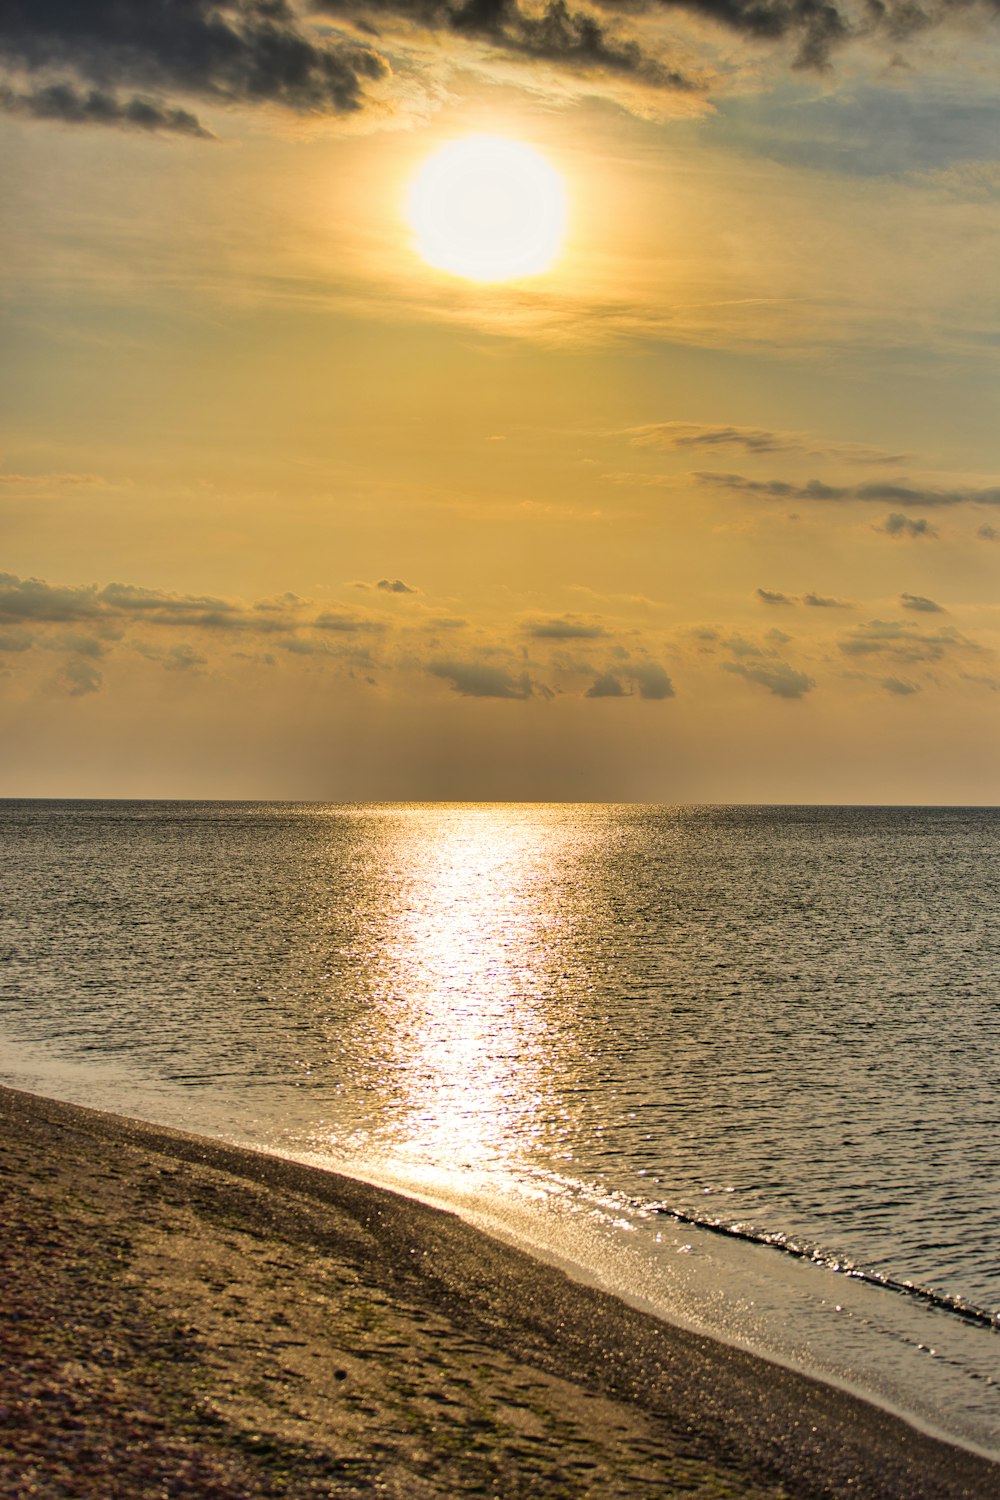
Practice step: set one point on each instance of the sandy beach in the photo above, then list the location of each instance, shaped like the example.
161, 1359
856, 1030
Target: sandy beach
186, 1318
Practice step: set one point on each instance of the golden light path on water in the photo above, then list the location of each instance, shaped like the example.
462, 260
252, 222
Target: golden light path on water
475, 1005
552, 1019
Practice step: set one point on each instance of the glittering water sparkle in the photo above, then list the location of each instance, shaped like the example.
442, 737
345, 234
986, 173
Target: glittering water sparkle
591, 1028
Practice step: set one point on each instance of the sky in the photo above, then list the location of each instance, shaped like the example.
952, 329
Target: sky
707, 510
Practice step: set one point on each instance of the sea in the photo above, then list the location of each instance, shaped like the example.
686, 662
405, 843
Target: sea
739, 1065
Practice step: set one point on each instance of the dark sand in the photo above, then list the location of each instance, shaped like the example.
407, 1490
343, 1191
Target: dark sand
186, 1319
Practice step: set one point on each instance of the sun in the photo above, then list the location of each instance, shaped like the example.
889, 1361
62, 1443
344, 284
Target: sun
488, 209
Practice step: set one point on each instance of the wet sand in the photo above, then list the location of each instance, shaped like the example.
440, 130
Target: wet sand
187, 1319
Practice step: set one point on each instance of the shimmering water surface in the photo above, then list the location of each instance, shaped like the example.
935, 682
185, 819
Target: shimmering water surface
590, 1029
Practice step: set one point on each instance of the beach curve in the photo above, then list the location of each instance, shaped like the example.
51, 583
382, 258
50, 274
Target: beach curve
191, 1318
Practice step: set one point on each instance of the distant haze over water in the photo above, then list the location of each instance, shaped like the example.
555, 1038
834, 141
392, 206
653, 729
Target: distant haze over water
778, 1022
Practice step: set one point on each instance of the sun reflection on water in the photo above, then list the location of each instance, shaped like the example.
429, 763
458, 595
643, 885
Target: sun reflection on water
475, 998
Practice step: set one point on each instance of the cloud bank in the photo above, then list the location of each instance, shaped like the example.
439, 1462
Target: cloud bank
135, 64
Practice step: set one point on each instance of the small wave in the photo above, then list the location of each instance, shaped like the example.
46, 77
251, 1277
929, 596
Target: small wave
832, 1262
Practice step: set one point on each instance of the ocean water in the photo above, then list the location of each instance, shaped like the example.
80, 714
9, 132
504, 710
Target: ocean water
740, 1065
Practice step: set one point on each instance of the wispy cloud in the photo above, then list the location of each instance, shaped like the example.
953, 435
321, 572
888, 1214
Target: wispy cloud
777, 677
754, 441
897, 525
921, 604
878, 493
476, 679
564, 628
904, 641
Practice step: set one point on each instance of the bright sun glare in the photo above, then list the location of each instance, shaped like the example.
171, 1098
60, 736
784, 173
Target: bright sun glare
488, 209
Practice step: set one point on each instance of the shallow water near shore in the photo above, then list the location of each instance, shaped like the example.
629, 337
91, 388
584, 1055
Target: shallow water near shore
667, 1047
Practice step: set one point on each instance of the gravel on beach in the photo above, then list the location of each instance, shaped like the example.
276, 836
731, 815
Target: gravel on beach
187, 1319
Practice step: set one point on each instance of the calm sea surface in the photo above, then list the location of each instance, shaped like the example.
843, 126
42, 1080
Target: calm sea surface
606, 1032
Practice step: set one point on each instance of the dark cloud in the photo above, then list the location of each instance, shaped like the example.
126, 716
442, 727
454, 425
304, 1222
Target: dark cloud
769, 596
481, 680
902, 641
824, 601
78, 678
81, 645
607, 685
243, 51
396, 586
920, 604
778, 677
577, 40
565, 628
182, 658
900, 688
739, 647
988, 533
878, 493
346, 624
694, 435
896, 524
16, 640
652, 681
73, 106
128, 598
124, 62
121, 604
31, 599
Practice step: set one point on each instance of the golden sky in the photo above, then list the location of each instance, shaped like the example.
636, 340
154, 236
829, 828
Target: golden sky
706, 510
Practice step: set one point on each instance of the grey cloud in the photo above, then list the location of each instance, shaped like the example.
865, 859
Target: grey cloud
118, 605
31, 599
127, 597
751, 440
281, 605
73, 106
607, 685
769, 596
920, 604
902, 641
566, 628
78, 678
182, 658
16, 640
779, 636
900, 688
652, 681
577, 40
824, 601
82, 645
347, 624
246, 51
694, 435
739, 647
778, 677
115, 61
480, 680
988, 533
897, 525
878, 493
396, 586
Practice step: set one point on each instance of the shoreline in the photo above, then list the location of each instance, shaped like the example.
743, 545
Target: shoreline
325, 1336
